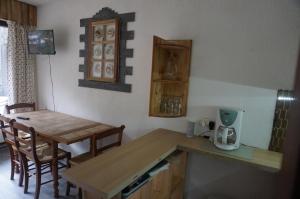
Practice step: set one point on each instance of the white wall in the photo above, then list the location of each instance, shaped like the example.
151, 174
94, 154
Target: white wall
258, 104
227, 179
224, 49
242, 52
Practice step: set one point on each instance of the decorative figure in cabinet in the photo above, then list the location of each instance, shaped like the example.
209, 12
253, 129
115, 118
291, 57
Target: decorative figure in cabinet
171, 68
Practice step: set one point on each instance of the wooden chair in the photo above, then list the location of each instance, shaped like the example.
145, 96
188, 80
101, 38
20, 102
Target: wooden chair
95, 150
39, 154
20, 106
15, 163
8, 136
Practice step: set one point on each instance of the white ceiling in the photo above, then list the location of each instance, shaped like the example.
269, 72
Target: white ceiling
36, 2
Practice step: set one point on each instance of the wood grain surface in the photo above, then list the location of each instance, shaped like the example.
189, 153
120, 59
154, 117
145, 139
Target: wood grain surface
60, 127
17, 11
108, 174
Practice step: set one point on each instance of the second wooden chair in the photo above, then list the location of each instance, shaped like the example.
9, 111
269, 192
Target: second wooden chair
97, 150
29, 106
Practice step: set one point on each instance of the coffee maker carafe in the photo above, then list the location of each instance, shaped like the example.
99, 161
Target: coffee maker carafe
228, 128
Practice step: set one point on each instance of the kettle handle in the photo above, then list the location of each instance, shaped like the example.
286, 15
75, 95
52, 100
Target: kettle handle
224, 136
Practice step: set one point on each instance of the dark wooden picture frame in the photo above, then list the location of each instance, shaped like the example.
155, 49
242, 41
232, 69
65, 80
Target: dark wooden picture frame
108, 67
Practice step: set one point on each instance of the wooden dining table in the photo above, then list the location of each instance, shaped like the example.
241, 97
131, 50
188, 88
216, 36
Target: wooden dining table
59, 128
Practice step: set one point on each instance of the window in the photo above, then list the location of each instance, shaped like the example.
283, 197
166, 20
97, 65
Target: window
3, 66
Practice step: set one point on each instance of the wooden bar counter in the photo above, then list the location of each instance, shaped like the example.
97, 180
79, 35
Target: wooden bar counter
105, 176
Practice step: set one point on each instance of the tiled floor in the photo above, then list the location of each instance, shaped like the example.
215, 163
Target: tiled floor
9, 189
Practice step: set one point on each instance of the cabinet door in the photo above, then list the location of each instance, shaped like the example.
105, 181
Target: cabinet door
171, 59
167, 184
160, 186
157, 188
142, 193
178, 192
177, 174
87, 195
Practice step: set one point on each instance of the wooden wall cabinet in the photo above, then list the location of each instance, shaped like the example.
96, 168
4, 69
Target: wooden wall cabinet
168, 184
170, 77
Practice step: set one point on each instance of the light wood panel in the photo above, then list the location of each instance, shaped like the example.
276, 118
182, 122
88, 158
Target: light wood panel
160, 185
19, 12
177, 174
156, 188
143, 193
87, 195
168, 183
108, 174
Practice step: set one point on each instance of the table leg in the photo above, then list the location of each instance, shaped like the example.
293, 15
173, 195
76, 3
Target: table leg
55, 169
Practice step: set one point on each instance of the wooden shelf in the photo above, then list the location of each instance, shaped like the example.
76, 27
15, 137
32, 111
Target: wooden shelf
169, 81
165, 115
169, 46
170, 77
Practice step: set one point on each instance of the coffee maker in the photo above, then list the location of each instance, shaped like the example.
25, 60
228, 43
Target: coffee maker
228, 128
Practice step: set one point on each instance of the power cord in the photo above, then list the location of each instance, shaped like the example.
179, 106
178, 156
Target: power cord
52, 87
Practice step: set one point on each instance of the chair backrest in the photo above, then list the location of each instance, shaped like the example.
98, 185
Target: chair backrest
25, 146
20, 105
115, 131
7, 134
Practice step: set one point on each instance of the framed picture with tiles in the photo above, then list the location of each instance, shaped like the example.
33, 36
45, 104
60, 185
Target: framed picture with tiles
103, 50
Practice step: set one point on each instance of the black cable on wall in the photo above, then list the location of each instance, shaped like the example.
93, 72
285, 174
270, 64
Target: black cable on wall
52, 87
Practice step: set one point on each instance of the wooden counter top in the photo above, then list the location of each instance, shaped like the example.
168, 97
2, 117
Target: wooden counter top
107, 174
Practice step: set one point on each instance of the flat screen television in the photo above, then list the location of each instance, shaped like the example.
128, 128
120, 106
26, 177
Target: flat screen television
41, 42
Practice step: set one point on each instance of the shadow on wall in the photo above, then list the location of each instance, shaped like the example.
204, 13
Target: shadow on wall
212, 178
126, 138
199, 112
61, 37
258, 103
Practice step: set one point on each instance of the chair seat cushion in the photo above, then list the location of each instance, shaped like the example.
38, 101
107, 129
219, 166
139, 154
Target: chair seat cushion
44, 152
39, 143
21, 134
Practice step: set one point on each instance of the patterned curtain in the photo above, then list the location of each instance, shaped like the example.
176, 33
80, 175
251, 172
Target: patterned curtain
280, 123
21, 65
